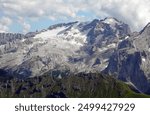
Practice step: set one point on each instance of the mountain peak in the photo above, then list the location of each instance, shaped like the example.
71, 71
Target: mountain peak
148, 25
62, 24
146, 29
111, 20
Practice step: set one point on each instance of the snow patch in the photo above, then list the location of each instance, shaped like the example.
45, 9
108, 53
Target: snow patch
126, 37
2, 46
49, 33
120, 41
105, 60
102, 29
110, 21
23, 40
143, 59
74, 36
113, 45
103, 49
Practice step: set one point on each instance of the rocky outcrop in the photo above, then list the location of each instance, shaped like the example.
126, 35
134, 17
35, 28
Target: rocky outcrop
9, 37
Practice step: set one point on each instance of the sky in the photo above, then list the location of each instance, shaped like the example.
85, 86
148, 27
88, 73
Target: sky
22, 16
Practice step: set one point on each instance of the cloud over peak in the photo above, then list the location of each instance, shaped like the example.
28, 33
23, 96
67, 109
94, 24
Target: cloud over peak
134, 12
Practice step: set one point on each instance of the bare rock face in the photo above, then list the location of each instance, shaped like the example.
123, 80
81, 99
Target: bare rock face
127, 67
9, 37
130, 61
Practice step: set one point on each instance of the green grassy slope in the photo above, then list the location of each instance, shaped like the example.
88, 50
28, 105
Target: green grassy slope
74, 86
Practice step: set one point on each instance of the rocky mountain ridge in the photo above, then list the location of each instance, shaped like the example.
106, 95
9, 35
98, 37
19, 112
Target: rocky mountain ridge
106, 46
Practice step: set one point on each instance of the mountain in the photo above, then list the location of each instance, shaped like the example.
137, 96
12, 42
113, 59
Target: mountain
77, 46
106, 46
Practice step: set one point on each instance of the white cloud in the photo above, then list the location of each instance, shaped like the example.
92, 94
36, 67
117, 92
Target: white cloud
134, 12
36, 8
26, 26
4, 23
